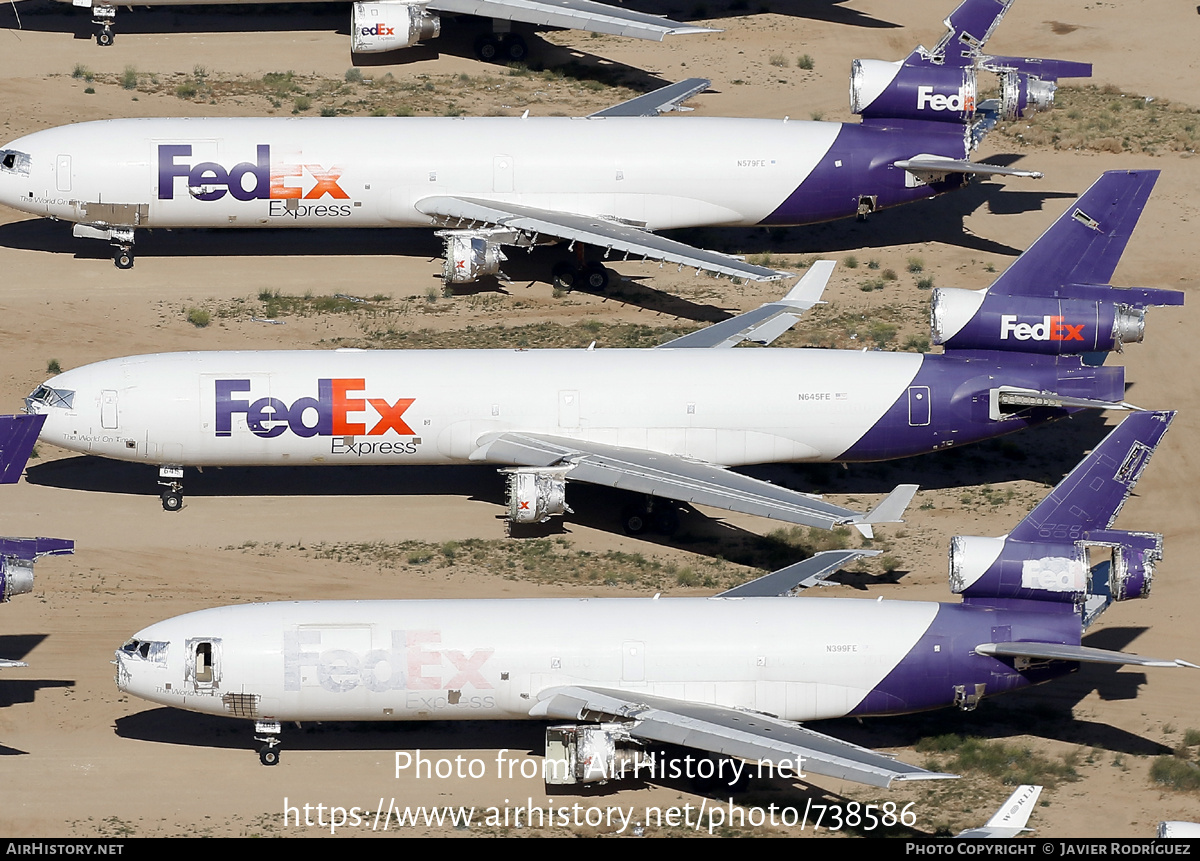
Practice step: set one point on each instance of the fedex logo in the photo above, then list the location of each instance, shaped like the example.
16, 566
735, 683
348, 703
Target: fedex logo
960, 101
378, 30
256, 180
333, 412
414, 661
1050, 329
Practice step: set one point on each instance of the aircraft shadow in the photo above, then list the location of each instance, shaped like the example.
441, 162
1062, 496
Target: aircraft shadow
14, 690
939, 219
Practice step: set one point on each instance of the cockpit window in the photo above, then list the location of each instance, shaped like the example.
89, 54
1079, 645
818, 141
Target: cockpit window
12, 161
45, 396
147, 650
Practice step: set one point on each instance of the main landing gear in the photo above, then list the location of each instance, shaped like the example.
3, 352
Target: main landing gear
651, 514
268, 754
592, 276
501, 48
170, 478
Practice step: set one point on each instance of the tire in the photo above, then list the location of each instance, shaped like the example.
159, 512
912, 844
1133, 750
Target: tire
487, 48
635, 520
564, 276
104, 38
172, 501
269, 756
514, 48
595, 277
123, 259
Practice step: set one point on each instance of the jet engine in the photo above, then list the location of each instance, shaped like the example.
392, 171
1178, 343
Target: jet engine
471, 254
883, 90
1081, 318
593, 753
535, 494
16, 577
386, 25
1054, 570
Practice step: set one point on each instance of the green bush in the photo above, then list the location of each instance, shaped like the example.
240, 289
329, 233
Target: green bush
805, 62
198, 317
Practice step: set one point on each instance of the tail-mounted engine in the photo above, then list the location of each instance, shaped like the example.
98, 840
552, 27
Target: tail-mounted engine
386, 25
1082, 318
1057, 571
1028, 85
535, 494
471, 254
883, 90
17, 556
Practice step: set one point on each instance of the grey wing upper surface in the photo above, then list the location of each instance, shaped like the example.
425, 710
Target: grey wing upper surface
573, 15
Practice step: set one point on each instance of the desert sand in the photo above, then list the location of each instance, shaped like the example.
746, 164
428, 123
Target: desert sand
83, 760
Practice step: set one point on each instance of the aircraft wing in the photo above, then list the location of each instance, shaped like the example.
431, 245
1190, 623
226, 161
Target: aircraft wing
747, 735
573, 15
767, 322
801, 575
455, 212
1010, 819
668, 98
671, 477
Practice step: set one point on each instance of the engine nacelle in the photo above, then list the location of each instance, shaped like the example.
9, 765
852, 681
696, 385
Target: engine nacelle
1054, 571
883, 90
16, 577
979, 320
470, 254
593, 753
1022, 95
535, 494
376, 27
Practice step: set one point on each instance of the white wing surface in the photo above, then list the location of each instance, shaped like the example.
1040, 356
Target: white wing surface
746, 735
456, 212
573, 15
677, 478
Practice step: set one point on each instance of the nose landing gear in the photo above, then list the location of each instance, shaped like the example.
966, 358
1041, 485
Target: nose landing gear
170, 478
104, 16
268, 754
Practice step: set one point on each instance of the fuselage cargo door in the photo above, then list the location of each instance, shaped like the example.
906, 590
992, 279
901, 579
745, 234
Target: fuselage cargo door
918, 406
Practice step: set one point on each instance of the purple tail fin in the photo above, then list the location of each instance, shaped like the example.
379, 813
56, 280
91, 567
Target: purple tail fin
970, 25
17, 436
1046, 557
1091, 496
1085, 244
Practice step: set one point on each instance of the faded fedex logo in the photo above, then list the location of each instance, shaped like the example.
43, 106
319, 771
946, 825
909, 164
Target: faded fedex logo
257, 180
414, 661
1051, 328
338, 410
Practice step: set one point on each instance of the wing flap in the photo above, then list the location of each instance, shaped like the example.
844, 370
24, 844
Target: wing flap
591, 230
676, 478
573, 15
732, 732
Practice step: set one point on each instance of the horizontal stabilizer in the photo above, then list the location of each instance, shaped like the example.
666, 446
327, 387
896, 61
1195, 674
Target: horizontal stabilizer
6, 664
1026, 399
32, 548
746, 735
767, 322
1062, 652
801, 575
1043, 70
932, 168
458, 212
17, 437
586, 15
1084, 245
668, 98
1091, 496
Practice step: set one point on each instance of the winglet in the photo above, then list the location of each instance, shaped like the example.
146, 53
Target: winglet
890, 510
668, 98
17, 436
